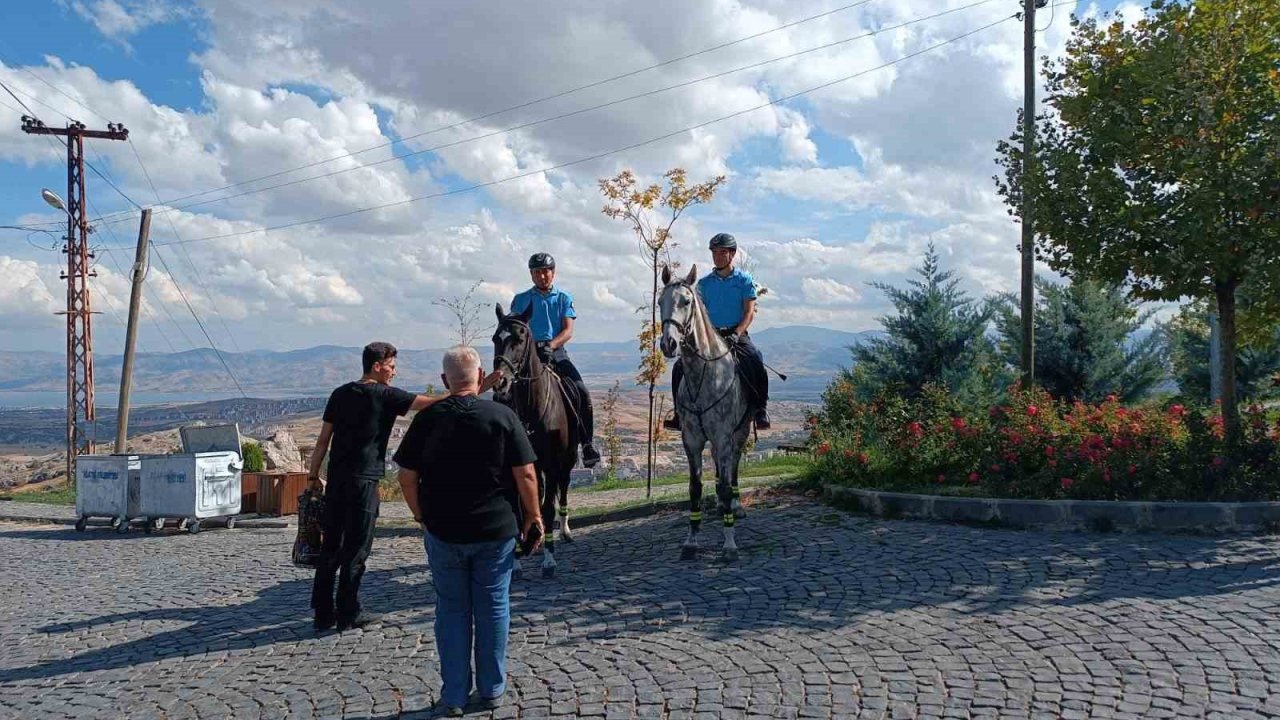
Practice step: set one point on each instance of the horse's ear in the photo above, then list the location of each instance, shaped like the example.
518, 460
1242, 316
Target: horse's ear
693, 275
497, 308
666, 274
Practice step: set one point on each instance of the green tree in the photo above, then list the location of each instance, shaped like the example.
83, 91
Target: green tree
938, 335
1086, 347
1157, 165
652, 212
1187, 335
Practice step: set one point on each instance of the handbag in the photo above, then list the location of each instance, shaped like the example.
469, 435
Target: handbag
306, 547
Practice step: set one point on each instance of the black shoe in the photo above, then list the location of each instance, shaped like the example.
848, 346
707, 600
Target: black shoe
762, 419
323, 622
360, 621
672, 423
590, 456
451, 711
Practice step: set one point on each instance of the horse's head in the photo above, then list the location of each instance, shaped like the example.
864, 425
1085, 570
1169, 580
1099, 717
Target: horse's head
677, 306
513, 350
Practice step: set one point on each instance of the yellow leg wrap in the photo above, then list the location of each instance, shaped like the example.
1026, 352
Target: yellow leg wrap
696, 516
729, 519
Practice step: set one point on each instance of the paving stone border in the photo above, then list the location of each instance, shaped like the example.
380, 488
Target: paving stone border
1210, 518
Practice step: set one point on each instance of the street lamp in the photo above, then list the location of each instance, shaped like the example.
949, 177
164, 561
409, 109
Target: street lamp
54, 201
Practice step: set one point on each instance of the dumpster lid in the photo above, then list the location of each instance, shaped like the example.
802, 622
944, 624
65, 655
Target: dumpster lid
210, 438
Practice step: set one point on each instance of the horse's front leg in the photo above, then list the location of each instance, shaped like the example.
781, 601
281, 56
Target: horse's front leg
550, 482
693, 451
565, 534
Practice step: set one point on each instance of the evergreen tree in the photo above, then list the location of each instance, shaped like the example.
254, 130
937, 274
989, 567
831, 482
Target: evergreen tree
1188, 337
938, 335
1084, 341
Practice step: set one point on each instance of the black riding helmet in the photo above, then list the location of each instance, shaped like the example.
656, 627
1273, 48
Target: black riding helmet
541, 261
723, 240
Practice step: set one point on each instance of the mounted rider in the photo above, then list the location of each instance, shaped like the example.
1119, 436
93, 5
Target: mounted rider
552, 327
729, 294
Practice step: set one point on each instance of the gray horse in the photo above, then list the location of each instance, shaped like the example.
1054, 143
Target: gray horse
713, 404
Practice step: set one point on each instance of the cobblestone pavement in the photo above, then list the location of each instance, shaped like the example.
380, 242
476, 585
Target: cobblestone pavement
825, 615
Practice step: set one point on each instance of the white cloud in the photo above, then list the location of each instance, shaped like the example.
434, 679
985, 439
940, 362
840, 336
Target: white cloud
825, 291
121, 19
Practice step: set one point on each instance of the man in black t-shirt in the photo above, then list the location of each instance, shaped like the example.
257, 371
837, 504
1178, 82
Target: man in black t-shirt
357, 423
463, 465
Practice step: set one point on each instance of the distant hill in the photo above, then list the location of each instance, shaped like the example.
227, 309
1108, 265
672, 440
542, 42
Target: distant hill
809, 355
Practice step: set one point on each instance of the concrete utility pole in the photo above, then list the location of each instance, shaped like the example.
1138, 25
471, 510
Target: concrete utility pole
131, 333
1028, 153
80, 407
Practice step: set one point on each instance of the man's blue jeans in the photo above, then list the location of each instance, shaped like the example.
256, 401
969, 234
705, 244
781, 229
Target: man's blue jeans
473, 584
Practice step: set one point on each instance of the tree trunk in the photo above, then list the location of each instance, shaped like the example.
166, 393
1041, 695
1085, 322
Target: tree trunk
652, 433
1226, 295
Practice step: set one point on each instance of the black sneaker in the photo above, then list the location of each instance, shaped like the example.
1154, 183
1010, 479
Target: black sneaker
590, 456
762, 419
323, 622
672, 423
361, 621
451, 711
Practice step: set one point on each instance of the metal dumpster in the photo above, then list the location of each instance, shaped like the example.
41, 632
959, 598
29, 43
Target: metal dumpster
201, 483
108, 486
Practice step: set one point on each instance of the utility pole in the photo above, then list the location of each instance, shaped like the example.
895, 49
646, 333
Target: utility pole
80, 404
1028, 155
131, 332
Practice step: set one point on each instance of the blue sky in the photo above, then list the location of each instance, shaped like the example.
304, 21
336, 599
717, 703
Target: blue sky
828, 193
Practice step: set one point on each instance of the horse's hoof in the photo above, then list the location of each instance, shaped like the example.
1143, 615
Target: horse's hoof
566, 537
688, 553
548, 573
730, 555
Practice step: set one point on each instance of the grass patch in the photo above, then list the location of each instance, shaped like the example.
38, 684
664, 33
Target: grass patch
781, 465
60, 495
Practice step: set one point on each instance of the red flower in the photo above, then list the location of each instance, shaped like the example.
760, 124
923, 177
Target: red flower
1067, 482
973, 477
1048, 450
1111, 398
996, 468
862, 458
942, 478
957, 423
1133, 469
824, 448
1032, 410
914, 428
1217, 462
848, 453
1177, 411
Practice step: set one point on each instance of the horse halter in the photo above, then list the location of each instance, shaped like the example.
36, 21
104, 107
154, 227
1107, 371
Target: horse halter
502, 360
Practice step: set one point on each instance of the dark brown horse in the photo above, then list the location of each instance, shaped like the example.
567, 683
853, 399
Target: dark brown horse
535, 392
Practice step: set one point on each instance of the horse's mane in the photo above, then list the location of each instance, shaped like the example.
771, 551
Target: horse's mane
704, 333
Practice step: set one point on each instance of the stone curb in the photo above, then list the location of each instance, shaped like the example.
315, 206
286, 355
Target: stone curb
248, 522
397, 527
1210, 518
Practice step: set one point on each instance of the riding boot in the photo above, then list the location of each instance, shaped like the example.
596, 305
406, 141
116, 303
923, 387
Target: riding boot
590, 455
762, 419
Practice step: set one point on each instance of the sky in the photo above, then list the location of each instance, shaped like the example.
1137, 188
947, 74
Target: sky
325, 172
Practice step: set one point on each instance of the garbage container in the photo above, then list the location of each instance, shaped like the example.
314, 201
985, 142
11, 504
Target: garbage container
199, 484
107, 486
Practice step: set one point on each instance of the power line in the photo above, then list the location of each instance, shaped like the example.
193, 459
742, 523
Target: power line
511, 108
597, 156
571, 113
88, 164
190, 263
172, 277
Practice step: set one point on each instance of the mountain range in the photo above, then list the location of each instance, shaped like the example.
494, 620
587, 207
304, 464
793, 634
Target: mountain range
810, 356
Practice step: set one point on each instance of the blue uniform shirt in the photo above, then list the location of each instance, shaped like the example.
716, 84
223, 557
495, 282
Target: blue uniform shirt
549, 310
725, 296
